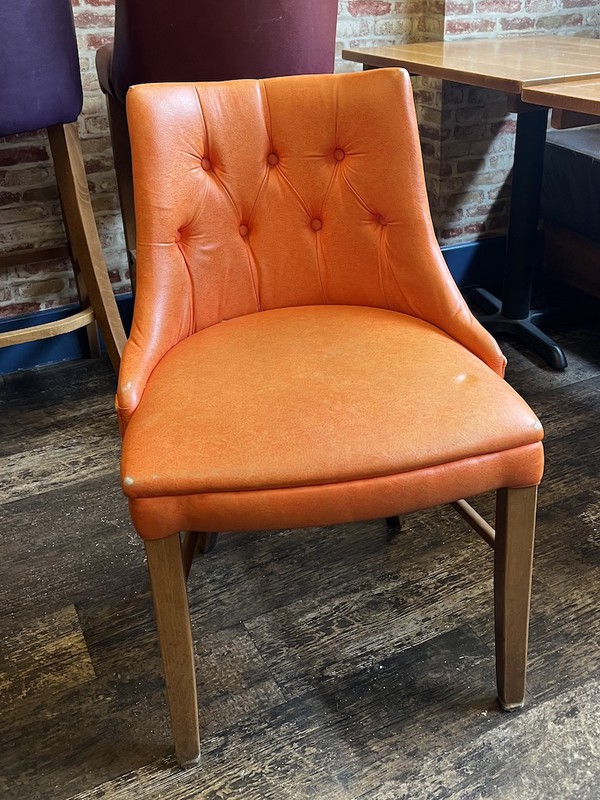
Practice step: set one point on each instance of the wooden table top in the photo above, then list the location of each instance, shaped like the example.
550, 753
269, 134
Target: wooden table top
508, 65
580, 96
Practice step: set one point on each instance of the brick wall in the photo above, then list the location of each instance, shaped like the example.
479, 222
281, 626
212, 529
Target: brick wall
477, 133
466, 134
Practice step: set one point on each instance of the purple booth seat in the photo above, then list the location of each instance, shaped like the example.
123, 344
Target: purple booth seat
206, 40
39, 65
40, 87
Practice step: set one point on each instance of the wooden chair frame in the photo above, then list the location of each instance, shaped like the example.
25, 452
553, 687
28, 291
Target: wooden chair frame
98, 305
513, 541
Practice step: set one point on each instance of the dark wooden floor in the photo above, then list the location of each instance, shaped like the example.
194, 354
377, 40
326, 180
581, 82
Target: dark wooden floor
346, 663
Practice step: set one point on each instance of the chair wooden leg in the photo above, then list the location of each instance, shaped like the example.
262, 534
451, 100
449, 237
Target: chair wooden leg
513, 563
189, 543
83, 235
207, 542
195, 541
393, 522
175, 638
119, 134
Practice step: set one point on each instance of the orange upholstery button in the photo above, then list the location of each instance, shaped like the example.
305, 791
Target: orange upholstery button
273, 159
205, 163
316, 224
382, 221
339, 154
243, 230
178, 236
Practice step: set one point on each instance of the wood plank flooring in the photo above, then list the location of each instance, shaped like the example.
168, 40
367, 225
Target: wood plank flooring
347, 663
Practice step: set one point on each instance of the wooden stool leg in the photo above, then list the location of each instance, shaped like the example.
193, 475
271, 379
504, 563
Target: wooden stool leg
175, 638
119, 134
85, 302
83, 235
513, 563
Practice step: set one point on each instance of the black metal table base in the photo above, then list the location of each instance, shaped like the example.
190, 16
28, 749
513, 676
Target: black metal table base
523, 329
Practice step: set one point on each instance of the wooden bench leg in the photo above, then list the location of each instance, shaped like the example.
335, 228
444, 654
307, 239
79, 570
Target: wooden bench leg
176, 647
513, 563
83, 236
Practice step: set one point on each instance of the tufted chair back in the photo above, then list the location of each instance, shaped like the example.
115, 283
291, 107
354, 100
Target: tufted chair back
293, 191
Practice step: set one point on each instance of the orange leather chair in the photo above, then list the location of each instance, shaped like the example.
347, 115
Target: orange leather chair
300, 354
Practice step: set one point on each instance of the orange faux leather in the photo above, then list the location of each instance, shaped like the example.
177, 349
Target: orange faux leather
300, 354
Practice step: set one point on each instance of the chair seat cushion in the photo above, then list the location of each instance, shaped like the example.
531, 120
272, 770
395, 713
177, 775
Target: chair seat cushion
320, 396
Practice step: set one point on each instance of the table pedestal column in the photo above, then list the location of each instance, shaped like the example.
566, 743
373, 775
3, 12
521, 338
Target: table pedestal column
513, 314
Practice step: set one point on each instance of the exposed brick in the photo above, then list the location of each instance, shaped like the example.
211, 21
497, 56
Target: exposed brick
470, 132
480, 210
17, 309
353, 27
8, 198
456, 149
469, 114
392, 27
468, 165
377, 8
105, 202
470, 26
496, 109
452, 233
424, 97
94, 41
464, 198
455, 8
38, 268
12, 156
541, 6
454, 185
485, 179
498, 192
501, 161
92, 19
504, 126
27, 177
498, 6
41, 194
430, 25
517, 23
42, 288
428, 150
22, 213
559, 21
407, 8
93, 165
